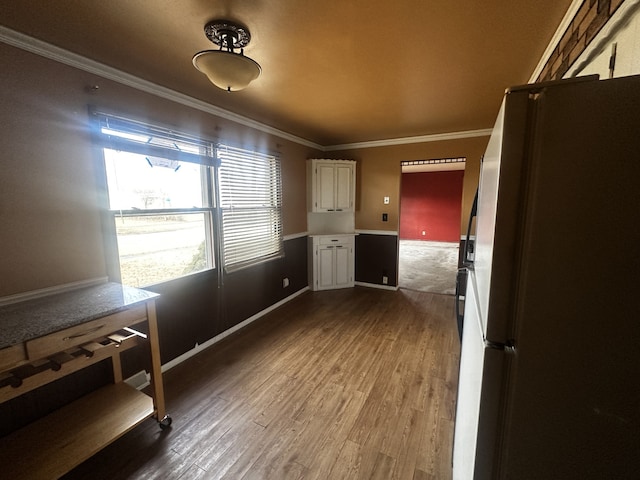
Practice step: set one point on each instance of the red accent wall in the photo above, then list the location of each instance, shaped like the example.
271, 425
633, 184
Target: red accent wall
431, 203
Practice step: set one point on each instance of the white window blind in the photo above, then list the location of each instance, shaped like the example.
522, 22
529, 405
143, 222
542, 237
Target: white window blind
250, 191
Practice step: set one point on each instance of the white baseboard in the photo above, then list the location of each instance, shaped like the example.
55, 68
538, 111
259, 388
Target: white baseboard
199, 347
376, 285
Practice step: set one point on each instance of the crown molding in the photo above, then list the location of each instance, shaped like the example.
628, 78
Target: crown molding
60, 55
407, 140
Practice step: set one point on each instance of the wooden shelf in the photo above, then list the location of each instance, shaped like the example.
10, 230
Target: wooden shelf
53, 445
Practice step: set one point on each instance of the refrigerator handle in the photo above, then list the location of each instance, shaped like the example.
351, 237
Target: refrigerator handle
461, 283
468, 246
507, 347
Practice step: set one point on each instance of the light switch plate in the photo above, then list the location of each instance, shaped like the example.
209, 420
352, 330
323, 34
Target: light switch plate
386, 200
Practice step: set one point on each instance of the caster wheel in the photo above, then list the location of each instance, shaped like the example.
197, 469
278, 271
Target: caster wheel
165, 422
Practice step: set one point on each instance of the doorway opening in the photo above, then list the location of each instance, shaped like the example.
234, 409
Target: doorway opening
429, 234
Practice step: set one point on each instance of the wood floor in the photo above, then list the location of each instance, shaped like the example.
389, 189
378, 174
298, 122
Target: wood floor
347, 384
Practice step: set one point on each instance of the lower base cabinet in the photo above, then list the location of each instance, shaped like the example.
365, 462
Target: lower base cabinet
331, 261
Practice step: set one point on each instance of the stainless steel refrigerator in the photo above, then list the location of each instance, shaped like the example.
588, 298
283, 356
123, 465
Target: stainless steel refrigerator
549, 384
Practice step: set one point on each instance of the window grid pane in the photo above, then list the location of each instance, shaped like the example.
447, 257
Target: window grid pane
141, 182
124, 134
157, 248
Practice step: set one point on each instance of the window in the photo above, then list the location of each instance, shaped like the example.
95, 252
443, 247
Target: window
163, 204
159, 193
251, 204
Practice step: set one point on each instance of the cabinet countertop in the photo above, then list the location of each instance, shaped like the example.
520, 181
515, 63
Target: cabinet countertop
23, 321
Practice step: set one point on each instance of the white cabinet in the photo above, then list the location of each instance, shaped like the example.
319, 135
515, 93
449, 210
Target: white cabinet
332, 185
331, 261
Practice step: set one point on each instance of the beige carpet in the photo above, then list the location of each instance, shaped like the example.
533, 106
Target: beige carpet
428, 266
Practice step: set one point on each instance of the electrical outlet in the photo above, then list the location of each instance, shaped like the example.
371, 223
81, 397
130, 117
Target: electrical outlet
385, 217
285, 282
385, 280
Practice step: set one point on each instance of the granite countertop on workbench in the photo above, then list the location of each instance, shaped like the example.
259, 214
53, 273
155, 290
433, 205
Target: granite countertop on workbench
31, 319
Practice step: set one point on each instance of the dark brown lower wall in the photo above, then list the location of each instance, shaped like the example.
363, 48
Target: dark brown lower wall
377, 257
194, 309
251, 290
187, 313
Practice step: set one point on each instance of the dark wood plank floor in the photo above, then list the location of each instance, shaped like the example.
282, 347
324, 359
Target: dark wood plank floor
347, 384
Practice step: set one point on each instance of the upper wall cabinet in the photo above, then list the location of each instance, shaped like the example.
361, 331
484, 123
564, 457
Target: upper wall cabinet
332, 185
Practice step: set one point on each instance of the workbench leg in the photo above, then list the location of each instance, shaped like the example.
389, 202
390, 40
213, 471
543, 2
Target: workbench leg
156, 367
117, 367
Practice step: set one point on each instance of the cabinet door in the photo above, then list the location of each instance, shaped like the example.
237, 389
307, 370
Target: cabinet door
326, 264
325, 187
343, 186
341, 267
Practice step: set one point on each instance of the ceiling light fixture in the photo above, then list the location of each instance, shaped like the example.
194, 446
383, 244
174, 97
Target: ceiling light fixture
225, 68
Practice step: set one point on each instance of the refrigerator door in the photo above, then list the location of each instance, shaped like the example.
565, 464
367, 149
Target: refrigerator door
573, 395
469, 387
481, 376
482, 369
498, 216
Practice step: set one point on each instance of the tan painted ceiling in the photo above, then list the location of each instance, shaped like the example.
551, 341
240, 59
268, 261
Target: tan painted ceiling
334, 71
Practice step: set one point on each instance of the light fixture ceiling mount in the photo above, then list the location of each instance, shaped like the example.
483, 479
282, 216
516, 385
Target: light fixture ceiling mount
223, 32
225, 68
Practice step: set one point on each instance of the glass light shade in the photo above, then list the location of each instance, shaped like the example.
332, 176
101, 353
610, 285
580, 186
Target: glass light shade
226, 70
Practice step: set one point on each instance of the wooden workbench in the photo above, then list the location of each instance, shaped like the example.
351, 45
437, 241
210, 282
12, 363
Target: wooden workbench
48, 338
